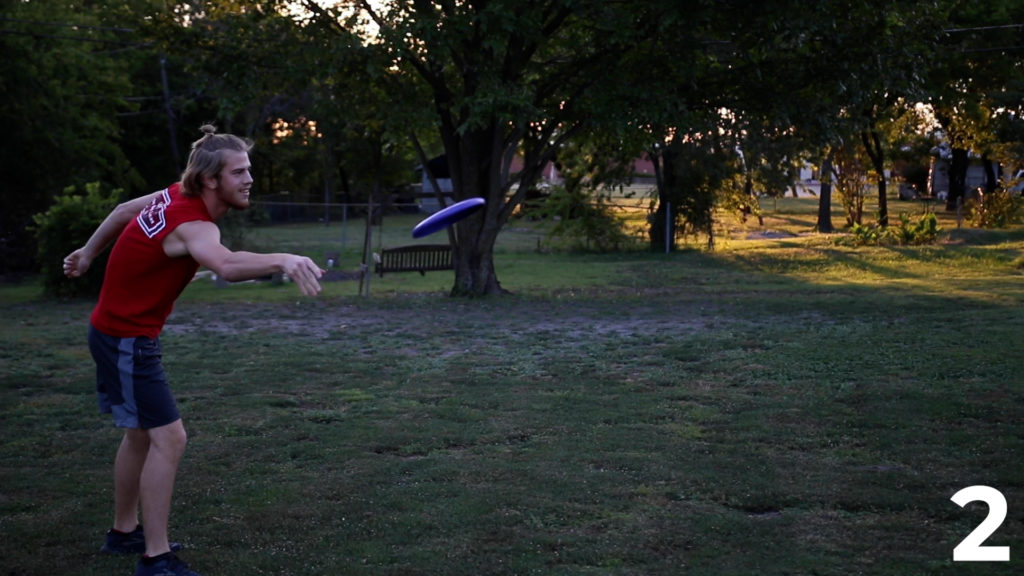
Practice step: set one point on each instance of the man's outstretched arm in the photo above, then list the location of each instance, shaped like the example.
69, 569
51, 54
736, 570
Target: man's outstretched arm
201, 240
77, 263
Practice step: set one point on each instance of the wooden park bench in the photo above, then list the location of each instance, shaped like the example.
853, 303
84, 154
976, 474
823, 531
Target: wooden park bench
414, 258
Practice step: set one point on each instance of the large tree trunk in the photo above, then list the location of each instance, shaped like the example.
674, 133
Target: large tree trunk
478, 162
825, 197
475, 162
991, 178
957, 178
476, 159
873, 145
662, 220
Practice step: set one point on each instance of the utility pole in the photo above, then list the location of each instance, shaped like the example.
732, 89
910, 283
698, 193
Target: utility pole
170, 113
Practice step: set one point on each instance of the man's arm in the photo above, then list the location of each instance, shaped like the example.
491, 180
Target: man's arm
77, 263
201, 240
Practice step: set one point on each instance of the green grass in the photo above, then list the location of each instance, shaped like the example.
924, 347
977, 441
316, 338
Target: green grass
775, 407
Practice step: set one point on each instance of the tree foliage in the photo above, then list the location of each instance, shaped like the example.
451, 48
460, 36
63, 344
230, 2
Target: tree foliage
344, 98
504, 78
67, 225
977, 88
65, 78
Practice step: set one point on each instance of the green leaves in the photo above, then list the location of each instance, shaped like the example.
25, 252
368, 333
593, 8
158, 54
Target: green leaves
65, 76
66, 226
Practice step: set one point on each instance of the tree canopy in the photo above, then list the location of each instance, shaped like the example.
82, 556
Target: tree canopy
345, 98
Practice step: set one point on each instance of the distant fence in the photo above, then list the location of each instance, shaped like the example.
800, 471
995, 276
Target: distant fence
286, 212
273, 212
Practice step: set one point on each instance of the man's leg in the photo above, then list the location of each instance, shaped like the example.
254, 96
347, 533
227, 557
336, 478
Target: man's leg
166, 446
127, 471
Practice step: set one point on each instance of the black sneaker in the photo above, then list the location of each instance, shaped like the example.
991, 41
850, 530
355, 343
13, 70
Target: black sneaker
133, 542
163, 565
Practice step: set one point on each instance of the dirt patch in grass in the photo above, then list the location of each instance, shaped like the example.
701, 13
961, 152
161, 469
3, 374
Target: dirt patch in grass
514, 319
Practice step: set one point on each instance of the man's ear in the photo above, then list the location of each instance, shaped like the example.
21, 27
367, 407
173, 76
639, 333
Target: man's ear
210, 182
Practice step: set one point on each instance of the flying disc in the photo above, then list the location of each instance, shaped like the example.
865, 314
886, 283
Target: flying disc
446, 217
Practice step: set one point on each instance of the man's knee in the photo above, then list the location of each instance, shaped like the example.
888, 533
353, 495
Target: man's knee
170, 439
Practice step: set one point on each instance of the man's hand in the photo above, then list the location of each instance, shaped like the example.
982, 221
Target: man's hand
304, 272
77, 263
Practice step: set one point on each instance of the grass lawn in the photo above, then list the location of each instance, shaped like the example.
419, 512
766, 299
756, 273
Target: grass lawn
782, 405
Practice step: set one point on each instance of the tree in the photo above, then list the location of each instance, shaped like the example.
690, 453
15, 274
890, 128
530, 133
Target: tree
506, 77
696, 168
65, 79
317, 100
975, 87
236, 63
830, 71
894, 63
850, 177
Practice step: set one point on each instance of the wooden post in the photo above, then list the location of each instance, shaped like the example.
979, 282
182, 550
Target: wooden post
364, 271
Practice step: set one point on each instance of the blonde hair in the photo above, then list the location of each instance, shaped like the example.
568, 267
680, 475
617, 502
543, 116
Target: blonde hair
207, 157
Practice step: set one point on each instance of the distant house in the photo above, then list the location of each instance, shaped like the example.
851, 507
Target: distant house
643, 174
938, 173
442, 175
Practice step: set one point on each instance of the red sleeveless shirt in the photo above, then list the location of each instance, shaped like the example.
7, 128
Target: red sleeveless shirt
142, 282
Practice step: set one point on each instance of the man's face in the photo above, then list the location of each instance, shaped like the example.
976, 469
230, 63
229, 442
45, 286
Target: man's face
234, 181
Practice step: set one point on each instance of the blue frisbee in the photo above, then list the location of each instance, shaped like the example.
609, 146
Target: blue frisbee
447, 217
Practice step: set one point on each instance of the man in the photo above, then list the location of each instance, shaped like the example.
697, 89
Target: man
162, 239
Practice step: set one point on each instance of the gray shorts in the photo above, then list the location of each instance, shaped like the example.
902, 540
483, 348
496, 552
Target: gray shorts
130, 381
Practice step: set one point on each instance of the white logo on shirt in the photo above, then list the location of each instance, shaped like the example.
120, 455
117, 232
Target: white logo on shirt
152, 219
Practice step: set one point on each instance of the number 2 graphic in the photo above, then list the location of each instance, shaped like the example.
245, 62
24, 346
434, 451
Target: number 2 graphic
970, 549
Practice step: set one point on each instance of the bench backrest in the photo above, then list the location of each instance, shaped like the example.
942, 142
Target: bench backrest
415, 258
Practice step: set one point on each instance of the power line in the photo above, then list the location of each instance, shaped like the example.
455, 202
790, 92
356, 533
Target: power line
66, 25
66, 37
983, 29
85, 28
980, 28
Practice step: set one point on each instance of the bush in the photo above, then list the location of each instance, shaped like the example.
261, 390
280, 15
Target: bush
585, 223
997, 209
65, 227
924, 231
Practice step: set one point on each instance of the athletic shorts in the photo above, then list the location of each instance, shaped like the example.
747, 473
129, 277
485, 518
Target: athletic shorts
130, 381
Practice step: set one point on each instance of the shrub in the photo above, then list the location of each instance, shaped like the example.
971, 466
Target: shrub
584, 223
66, 226
997, 209
924, 231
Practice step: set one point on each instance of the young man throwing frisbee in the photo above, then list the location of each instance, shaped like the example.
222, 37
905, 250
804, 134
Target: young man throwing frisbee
162, 239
